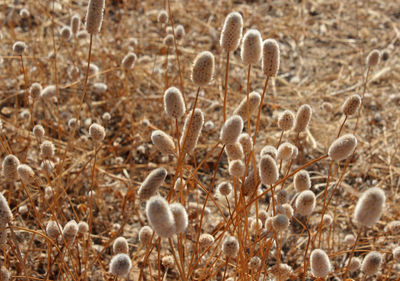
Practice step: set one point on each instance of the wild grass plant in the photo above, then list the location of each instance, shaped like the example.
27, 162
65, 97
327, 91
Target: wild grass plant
199, 140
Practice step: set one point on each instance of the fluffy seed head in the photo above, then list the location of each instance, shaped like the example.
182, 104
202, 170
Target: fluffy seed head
231, 32
203, 69
236, 168
285, 151
269, 150
69, 231
24, 13
327, 220
370, 206
168, 261
371, 263
38, 131
303, 118
205, 240
75, 24
285, 209
355, 264
129, 61
234, 151
66, 33
53, 229
286, 120
373, 58
284, 271
120, 246
255, 262
35, 90
268, 170
251, 47
169, 40
49, 92
174, 104
97, 132
249, 187
393, 227
302, 181
254, 102
120, 265
193, 133
47, 149
180, 217
230, 247
281, 197
145, 234
320, 264
163, 142
162, 16
351, 105
151, 184
94, 16
396, 253
5, 212
25, 173
263, 215
224, 188
5, 274
19, 47
271, 57
246, 142
280, 222
160, 217
305, 203
231, 130
342, 147
9, 168
179, 32
83, 227
349, 239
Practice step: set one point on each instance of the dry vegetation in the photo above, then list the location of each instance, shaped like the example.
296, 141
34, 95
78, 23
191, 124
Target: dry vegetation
94, 181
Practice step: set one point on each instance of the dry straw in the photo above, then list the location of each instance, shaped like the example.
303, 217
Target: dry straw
370, 206
160, 217
94, 16
251, 47
193, 133
231, 32
231, 130
163, 142
320, 264
150, 185
254, 102
270, 57
203, 69
174, 104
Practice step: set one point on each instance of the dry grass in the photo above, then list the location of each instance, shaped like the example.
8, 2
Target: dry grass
323, 49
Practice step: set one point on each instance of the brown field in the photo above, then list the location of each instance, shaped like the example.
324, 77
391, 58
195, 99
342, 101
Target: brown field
93, 185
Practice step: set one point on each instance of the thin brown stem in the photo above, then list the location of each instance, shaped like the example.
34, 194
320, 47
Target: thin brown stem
226, 83
259, 109
352, 253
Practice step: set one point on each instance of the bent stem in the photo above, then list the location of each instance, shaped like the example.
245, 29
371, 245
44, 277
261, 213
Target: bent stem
352, 253
259, 109
226, 83
247, 100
